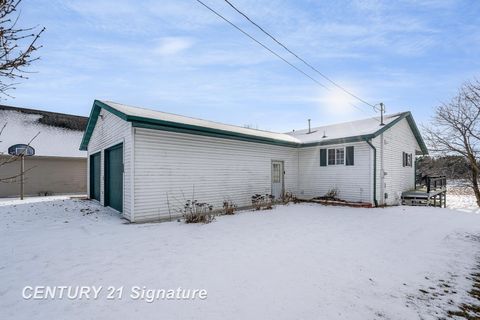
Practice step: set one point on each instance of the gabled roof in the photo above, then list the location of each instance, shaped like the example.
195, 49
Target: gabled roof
344, 132
59, 135
359, 130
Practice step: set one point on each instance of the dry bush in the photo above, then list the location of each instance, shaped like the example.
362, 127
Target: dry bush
289, 197
197, 212
332, 194
262, 201
229, 207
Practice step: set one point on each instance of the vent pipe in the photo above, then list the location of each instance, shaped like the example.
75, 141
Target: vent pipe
309, 128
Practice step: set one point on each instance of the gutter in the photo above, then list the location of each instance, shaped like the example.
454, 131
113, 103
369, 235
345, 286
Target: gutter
374, 171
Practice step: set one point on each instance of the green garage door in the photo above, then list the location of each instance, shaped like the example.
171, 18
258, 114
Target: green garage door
114, 177
95, 176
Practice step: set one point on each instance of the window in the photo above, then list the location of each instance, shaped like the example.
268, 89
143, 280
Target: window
334, 156
276, 172
407, 159
340, 159
349, 156
331, 157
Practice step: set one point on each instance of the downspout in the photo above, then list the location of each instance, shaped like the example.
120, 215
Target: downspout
374, 172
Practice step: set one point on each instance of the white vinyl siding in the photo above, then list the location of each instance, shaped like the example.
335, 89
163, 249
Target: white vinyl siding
397, 178
109, 131
352, 182
208, 169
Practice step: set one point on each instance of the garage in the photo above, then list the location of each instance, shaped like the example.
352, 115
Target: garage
114, 177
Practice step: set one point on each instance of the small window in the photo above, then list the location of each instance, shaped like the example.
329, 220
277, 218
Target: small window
331, 157
349, 156
340, 159
407, 159
276, 173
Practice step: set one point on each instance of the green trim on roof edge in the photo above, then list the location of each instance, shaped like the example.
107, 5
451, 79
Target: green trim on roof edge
404, 115
213, 133
92, 121
338, 141
141, 122
413, 126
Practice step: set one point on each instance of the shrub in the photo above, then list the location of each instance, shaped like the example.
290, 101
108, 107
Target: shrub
198, 212
229, 207
262, 202
289, 197
331, 194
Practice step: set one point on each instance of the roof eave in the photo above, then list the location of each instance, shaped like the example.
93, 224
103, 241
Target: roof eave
172, 126
351, 139
186, 128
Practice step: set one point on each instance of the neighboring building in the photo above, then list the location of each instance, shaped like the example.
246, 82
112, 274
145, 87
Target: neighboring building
57, 167
147, 163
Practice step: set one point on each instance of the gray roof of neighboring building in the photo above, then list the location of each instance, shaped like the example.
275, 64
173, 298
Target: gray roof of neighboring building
59, 134
54, 119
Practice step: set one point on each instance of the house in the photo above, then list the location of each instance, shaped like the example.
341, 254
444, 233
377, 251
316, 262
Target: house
146, 163
57, 167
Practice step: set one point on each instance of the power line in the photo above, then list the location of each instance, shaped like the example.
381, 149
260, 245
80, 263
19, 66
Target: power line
263, 45
298, 57
270, 50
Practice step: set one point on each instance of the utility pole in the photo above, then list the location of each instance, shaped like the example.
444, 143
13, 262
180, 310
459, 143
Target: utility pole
22, 167
382, 111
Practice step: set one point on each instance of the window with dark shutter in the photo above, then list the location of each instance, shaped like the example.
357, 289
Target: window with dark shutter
323, 157
350, 156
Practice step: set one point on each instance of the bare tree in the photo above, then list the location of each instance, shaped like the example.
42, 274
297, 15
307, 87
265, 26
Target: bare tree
17, 46
455, 129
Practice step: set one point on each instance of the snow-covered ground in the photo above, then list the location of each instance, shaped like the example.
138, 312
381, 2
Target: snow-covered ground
303, 261
460, 196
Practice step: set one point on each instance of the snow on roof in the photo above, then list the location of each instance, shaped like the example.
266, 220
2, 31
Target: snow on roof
53, 140
331, 134
322, 134
164, 116
342, 130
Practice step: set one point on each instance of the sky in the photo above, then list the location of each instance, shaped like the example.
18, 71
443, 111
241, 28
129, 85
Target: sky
176, 56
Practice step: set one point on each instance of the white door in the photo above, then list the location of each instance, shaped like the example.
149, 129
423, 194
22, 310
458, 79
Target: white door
277, 179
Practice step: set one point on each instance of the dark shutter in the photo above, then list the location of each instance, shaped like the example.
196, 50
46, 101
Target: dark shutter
323, 157
350, 157
403, 158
